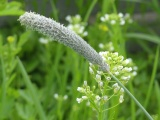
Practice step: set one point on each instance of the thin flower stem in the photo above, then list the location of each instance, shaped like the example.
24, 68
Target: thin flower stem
111, 107
90, 10
100, 115
136, 101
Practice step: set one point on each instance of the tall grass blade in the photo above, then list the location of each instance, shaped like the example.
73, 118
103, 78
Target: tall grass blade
32, 91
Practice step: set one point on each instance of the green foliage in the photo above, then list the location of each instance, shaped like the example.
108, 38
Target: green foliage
29, 84
10, 8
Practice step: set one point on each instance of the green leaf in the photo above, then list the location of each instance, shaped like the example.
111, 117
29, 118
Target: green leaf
142, 36
12, 8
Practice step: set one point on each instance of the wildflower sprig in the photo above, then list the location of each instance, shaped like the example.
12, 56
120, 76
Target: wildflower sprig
107, 88
60, 97
107, 46
76, 24
119, 18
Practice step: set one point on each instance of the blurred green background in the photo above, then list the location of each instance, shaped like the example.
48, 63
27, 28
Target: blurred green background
53, 69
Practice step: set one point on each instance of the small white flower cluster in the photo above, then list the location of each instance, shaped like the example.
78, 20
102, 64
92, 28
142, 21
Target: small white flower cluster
60, 97
119, 18
119, 90
76, 24
108, 46
90, 96
123, 69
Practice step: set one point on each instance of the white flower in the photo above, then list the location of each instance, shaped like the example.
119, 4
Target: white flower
79, 100
121, 90
134, 73
115, 69
104, 59
102, 19
106, 17
122, 22
120, 67
99, 72
129, 69
65, 97
121, 99
108, 78
91, 64
116, 73
85, 33
91, 70
98, 97
56, 96
116, 89
80, 89
120, 15
78, 16
115, 54
100, 84
85, 83
127, 61
70, 26
98, 77
80, 28
121, 58
105, 97
101, 45
43, 41
109, 58
113, 22
84, 97
68, 18
125, 77
115, 85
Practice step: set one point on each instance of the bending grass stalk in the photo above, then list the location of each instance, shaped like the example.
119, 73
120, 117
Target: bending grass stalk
32, 91
136, 101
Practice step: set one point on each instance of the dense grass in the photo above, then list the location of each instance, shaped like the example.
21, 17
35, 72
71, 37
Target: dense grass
32, 73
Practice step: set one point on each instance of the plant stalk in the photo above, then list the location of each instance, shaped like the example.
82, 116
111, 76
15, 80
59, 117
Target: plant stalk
135, 100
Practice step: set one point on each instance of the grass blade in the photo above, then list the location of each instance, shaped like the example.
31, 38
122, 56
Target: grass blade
151, 38
152, 77
32, 91
157, 89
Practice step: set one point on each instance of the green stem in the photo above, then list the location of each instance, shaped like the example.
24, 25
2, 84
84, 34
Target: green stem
133, 115
3, 90
55, 11
32, 91
154, 71
135, 100
100, 115
90, 10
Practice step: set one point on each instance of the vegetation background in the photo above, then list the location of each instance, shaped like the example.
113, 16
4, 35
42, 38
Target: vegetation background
53, 69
